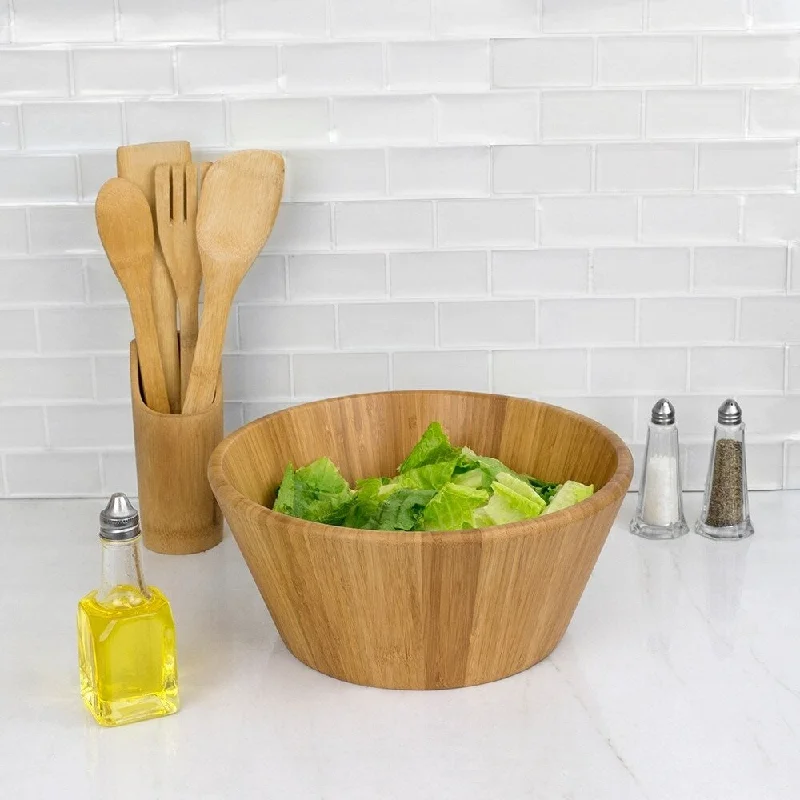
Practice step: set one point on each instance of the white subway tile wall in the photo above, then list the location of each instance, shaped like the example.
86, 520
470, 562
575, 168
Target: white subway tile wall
593, 204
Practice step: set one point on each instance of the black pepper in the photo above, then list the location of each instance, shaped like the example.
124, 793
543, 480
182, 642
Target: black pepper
725, 505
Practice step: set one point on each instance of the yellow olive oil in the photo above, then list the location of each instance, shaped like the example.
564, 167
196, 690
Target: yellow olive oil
127, 659
126, 634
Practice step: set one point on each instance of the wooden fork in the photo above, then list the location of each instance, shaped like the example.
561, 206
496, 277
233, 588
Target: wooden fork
176, 190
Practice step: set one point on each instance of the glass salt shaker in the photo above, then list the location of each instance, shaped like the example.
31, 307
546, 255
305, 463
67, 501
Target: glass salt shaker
726, 510
659, 512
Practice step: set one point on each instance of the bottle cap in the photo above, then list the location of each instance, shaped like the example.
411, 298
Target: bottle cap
119, 520
730, 413
663, 413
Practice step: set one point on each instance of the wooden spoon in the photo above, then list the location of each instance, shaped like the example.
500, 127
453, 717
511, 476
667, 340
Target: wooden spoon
176, 213
240, 200
125, 225
137, 163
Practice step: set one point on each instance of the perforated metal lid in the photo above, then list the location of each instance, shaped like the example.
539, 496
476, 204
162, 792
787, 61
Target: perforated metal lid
663, 413
730, 413
119, 520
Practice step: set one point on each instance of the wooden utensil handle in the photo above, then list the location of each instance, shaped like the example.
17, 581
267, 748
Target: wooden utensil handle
166, 323
188, 309
144, 329
208, 354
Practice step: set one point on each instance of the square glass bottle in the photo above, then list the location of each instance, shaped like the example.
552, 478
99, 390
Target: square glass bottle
126, 634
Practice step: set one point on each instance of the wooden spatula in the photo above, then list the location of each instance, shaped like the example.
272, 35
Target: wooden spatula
125, 225
240, 200
176, 187
137, 163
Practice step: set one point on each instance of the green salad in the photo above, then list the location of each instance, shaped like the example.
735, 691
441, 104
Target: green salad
437, 488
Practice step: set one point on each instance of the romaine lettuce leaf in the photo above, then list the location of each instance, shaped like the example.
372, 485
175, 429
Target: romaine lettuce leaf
491, 467
432, 447
568, 495
521, 487
451, 509
316, 492
544, 489
323, 476
363, 511
388, 488
403, 509
386, 507
474, 478
525, 506
284, 502
431, 476
512, 500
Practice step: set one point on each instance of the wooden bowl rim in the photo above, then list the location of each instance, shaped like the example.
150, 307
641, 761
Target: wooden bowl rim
616, 487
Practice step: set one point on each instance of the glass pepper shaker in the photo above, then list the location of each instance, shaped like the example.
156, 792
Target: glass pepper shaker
126, 634
726, 510
659, 512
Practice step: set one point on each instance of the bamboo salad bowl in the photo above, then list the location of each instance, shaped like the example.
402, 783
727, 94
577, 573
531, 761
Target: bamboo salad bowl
427, 610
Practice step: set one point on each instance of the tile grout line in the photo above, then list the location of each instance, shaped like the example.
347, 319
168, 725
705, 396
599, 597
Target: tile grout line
688, 378
117, 21
12, 19
101, 471
221, 20
291, 366
336, 338
588, 376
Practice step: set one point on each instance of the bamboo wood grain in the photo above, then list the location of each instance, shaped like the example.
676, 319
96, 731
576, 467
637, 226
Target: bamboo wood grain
176, 191
126, 231
420, 610
137, 163
238, 206
178, 510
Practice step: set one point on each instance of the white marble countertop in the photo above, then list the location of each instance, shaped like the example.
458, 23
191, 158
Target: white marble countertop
679, 677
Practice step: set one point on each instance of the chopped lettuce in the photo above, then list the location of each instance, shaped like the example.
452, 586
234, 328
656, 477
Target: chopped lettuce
544, 489
512, 500
489, 466
387, 507
438, 487
568, 495
316, 492
431, 476
403, 509
284, 502
363, 511
521, 487
451, 509
434, 446
474, 478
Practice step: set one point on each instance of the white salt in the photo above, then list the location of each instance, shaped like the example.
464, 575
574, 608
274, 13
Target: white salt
661, 506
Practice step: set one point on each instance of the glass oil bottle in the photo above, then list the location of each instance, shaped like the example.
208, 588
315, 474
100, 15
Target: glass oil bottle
126, 634
659, 513
726, 509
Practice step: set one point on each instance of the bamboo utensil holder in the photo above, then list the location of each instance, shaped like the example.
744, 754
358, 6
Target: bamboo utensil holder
420, 610
178, 511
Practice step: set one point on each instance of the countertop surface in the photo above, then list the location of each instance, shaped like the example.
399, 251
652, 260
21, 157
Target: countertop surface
679, 677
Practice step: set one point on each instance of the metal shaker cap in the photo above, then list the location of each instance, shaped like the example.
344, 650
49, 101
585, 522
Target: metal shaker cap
663, 413
730, 413
119, 520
